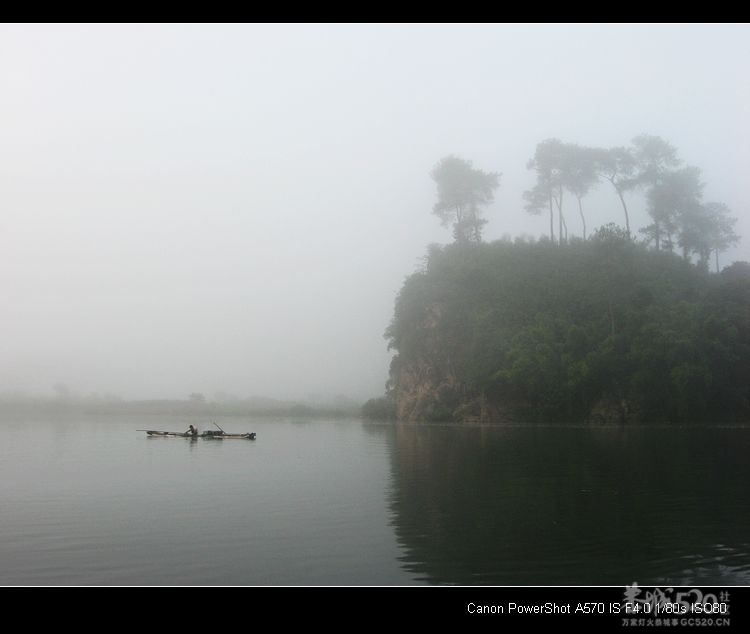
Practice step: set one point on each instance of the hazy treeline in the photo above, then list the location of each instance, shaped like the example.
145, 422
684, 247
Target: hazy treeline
681, 219
195, 405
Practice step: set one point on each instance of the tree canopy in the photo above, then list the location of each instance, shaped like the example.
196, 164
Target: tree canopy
606, 330
462, 192
650, 164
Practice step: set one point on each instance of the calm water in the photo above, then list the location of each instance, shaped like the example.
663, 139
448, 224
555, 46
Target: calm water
92, 501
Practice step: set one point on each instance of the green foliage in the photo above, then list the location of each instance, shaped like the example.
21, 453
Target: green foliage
605, 328
462, 191
382, 408
654, 156
674, 205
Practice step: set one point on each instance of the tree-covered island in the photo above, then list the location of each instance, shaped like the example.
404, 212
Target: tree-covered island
615, 326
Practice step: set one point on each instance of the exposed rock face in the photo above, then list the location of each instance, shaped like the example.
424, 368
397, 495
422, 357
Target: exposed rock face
424, 393
424, 385
426, 388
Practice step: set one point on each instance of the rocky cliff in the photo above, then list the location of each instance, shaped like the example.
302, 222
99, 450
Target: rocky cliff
426, 387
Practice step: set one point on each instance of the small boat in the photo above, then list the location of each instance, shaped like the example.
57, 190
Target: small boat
213, 435
222, 435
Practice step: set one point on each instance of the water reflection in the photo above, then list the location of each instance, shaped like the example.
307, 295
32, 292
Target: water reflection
571, 506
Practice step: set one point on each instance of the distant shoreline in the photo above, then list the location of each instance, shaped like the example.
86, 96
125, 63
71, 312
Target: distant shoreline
265, 407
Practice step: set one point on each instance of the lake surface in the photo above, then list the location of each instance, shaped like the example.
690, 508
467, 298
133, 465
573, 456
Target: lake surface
91, 501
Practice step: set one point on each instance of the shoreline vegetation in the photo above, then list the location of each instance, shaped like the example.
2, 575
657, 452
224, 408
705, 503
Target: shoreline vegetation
23, 406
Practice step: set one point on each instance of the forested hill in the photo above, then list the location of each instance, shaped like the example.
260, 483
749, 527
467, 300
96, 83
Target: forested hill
602, 331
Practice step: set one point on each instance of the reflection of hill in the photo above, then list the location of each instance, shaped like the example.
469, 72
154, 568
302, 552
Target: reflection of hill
572, 506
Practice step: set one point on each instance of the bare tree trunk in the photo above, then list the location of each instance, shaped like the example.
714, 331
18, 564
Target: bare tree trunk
477, 228
583, 220
459, 229
657, 235
705, 262
717, 260
551, 220
625, 208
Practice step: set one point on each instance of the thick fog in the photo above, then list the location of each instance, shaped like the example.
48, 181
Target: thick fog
234, 208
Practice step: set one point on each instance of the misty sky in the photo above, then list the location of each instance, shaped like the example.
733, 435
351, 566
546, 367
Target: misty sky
234, 208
